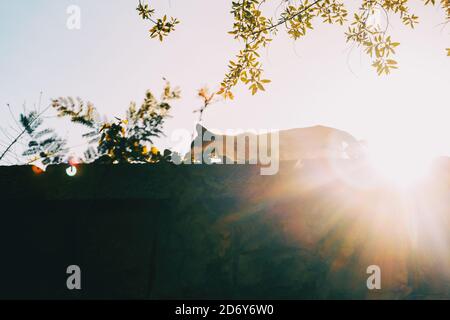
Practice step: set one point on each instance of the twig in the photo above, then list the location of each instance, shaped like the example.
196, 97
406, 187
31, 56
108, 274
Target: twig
19, 136
287, 19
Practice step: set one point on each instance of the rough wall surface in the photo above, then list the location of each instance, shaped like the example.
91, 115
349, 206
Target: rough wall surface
216, 232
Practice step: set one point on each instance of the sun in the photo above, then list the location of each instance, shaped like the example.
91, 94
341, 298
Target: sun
402, 165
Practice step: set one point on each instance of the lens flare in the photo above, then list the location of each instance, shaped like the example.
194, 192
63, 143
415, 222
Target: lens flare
71, 171
403, 167
37, 170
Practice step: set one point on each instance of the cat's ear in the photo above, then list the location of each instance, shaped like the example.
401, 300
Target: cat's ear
200, 129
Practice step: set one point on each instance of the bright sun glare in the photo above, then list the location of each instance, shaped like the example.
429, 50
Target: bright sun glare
399, 163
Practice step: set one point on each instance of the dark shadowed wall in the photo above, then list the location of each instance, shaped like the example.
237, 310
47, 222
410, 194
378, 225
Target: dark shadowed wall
167, 232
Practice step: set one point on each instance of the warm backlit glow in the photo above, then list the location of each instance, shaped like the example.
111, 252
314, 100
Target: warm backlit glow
36, 169
401, 164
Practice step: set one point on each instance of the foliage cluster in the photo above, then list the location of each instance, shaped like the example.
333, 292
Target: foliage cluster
255, 30
127, 140
43, 144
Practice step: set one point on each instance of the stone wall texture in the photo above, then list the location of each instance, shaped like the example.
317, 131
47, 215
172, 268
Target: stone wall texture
222, 232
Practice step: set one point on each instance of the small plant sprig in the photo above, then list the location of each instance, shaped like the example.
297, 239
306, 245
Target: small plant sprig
162, 27
44, 145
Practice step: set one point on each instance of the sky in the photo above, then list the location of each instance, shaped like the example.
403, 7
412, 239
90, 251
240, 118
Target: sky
319, 79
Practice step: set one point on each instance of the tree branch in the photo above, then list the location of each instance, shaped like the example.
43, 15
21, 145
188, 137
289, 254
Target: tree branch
20, 135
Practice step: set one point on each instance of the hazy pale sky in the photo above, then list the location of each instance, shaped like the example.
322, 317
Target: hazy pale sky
315, 80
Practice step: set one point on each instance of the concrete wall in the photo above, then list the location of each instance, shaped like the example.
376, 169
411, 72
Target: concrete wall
167, 232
